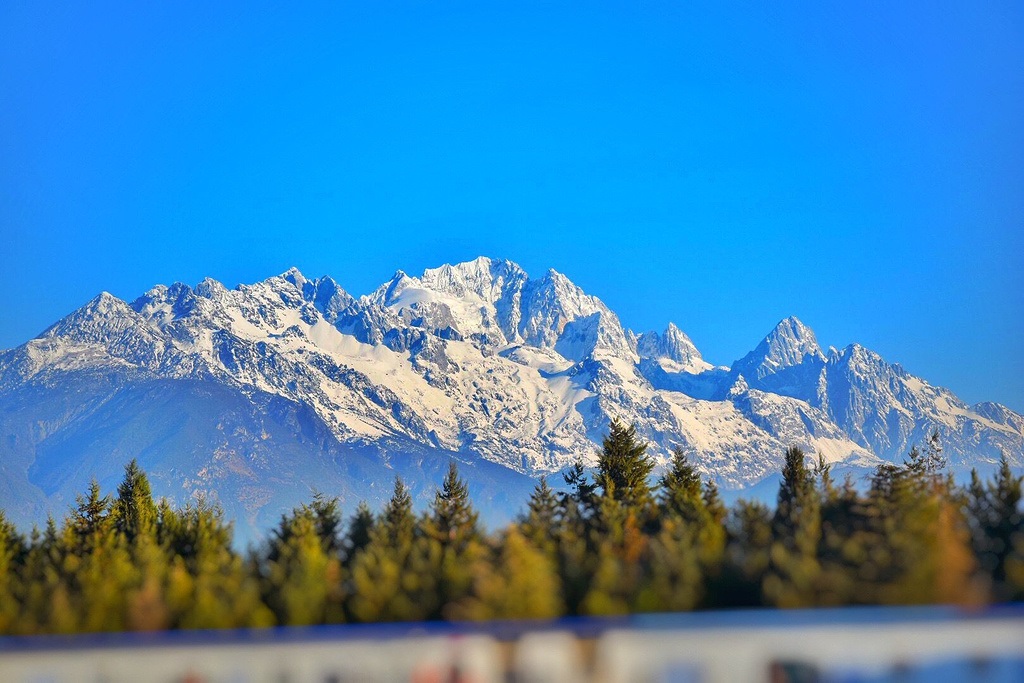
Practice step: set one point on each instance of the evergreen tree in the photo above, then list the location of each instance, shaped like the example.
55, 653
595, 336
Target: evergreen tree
12, 552
540, 522
448, 548
845, 550
581, 489
994, 510
674, 579
575, 556
304, 583
360, 528
209, 586
692, 517
90, 519
134, 511
913, 537
518, 583
398, 520
681, 492
624, 466
920, 541
618, 549
378, 591
326, 514
747, 556
792, 580
713, 503
453, 521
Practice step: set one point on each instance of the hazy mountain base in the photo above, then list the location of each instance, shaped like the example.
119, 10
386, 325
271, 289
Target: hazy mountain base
255, 455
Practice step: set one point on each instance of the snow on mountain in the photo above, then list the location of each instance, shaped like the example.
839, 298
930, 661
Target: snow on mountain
254, 394
674, 346
884, 408
788, 361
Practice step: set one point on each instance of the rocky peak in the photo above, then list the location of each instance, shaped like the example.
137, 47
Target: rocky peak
789, 344
673, 345
486, 278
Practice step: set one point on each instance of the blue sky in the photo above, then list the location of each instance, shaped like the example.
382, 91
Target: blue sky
858, 165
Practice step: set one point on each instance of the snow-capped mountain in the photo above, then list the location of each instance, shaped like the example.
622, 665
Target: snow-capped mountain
254, 395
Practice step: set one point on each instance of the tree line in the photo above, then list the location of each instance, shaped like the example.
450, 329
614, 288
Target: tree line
613, 542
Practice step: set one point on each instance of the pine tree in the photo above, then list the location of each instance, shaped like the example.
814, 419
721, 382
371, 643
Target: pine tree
303, 580
397, 519
713, 503
674, 579
920, 552
518, 583
453, 521
12, 555
360, 528
133, 510
540, 522
209, 586
747, 557
618, 546
624, 466
90, 519
326, 514
378, 591
692, 517
681, 492
450, 544
797, 530
575, 555
996, 520
845, 550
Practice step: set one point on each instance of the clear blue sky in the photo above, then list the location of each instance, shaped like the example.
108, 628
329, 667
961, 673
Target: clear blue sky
858, 165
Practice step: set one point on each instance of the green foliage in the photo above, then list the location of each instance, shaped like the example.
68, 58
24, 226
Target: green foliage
134, 511
515, 581
360, 528
794, 568
747, 555
681, 492
608, 545
997, 528
624, 466
540, 523
380, 578
453, 521
448, 548
12, 551
302, 579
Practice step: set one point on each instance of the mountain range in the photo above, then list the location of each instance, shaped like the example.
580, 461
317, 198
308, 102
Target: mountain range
255, 396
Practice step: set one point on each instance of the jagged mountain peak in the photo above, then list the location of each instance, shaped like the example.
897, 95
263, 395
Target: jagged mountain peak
673, 344
484, 277
473, 358
100, 310
208, 288
791, 333
789, 344
294, 276
104, 302
858, 354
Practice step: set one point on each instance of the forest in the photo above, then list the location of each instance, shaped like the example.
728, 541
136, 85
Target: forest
614, 540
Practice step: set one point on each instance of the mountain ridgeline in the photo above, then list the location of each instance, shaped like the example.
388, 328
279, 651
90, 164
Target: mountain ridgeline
252, 397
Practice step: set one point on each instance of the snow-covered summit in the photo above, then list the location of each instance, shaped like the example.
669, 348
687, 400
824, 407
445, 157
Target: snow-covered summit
295, 376
790, 343
673, 345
